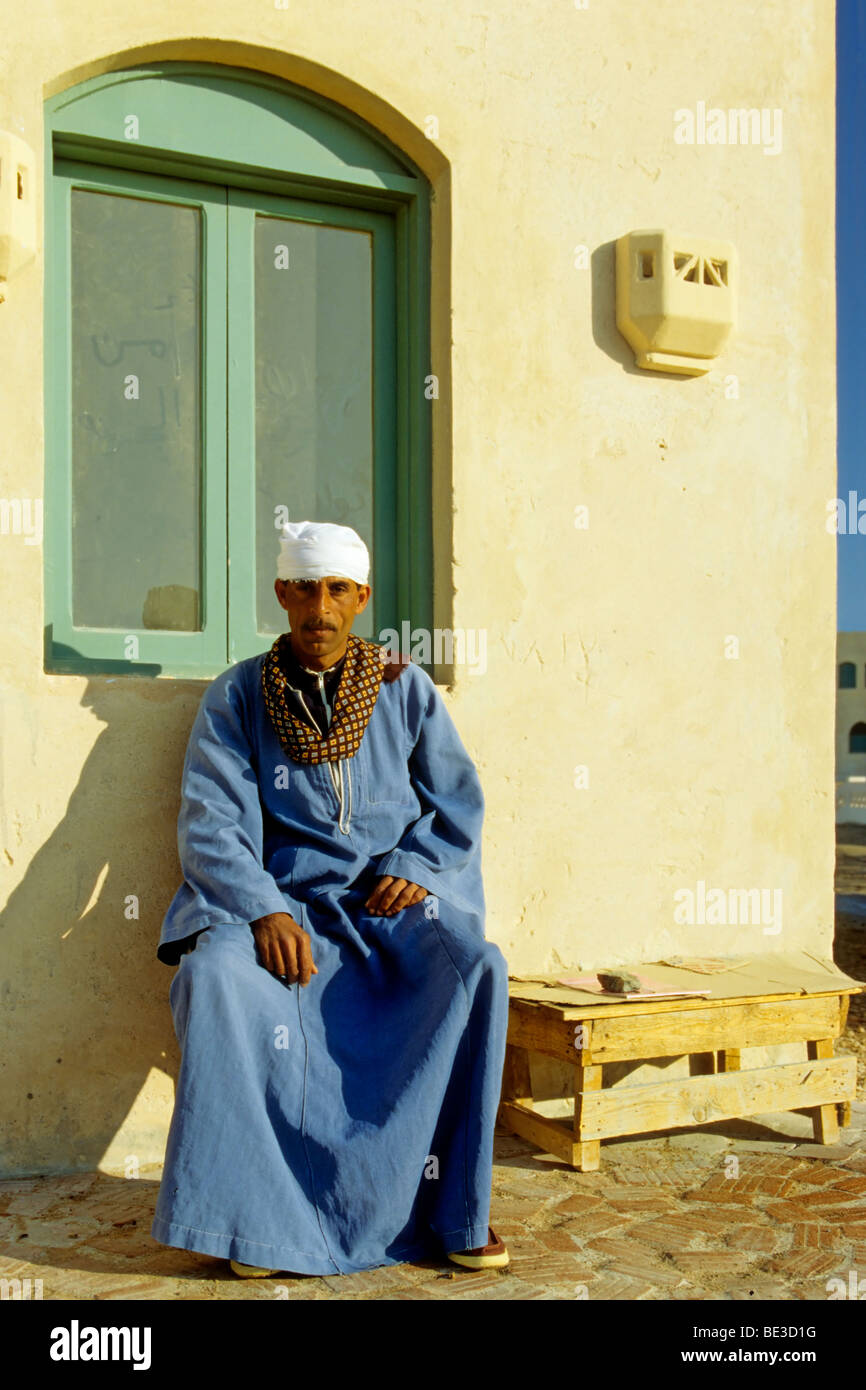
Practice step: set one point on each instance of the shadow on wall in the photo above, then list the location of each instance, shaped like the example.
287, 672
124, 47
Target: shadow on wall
85, 999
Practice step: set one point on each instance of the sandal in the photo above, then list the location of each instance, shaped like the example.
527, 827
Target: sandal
251, 1271
493, 1255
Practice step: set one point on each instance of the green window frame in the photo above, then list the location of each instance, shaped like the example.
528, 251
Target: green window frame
234, 145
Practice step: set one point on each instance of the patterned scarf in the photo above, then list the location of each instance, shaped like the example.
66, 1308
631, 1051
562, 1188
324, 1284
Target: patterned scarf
357, 692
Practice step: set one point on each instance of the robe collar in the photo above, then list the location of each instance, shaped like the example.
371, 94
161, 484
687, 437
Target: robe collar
355, 698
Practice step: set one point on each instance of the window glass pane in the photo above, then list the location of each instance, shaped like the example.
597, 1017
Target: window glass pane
314, 373
136, 436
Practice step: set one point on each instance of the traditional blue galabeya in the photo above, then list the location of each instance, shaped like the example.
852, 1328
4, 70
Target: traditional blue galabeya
349, 1123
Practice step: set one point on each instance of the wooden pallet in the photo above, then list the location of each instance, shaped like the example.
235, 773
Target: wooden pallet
711, 1032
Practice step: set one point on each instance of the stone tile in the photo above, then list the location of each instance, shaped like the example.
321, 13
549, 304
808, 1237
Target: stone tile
853, 1215
597, 1184
153, 1289
636, 1205
757, 1288
815, 1290
829, 1151
762, 1146
509, 1209
525, 1245
519, 1175
689, 1294
775, 1165
855, 1185
595, 1223
560, 1239
422, 1269
548, 1268
803, 1263
709, 1263
414, 1295
748, 1185
610, 1286
832, 1197
50, 1235
774, 1124
505, 1289
659, 1174
672, 1233
789, 1211
12, 1267
759, 1239
699, 1141
356, 1285
627, 1257
30, 1203
511, 1146
11, 1187
836, 1219
720, 1197
96, 1287
513, 1233
813, 1235
774, 1185
621, 1247
792, 1168
473, 1282
580, 1202
634, 1149
821, 1175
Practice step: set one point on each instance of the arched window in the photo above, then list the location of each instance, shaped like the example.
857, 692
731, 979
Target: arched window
237, 333
857, 739
847, 675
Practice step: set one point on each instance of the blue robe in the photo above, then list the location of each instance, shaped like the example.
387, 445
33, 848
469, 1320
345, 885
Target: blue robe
349, 1123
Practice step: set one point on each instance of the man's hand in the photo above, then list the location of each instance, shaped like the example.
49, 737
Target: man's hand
284, 947
393, 894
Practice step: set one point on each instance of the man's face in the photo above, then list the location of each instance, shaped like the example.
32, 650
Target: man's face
321, 613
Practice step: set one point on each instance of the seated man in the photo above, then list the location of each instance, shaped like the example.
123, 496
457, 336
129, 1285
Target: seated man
341, 1016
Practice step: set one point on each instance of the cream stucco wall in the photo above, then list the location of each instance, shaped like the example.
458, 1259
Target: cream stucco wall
606, 647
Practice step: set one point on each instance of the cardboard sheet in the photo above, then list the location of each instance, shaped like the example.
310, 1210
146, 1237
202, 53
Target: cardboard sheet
797, 972
650, 989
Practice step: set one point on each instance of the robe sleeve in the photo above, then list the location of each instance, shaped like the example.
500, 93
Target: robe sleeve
441, 850
220, 825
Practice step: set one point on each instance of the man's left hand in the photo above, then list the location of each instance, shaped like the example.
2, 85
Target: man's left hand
393, 894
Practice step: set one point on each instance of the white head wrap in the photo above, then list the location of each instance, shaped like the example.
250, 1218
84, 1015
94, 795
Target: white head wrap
317, 549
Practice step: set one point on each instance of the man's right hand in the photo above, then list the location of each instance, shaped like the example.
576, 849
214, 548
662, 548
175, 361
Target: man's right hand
284, 947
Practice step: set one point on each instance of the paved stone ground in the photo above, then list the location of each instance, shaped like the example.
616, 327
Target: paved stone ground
741, 1210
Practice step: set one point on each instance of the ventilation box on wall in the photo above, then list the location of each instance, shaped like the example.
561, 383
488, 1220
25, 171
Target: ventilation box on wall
675, 299
17, 206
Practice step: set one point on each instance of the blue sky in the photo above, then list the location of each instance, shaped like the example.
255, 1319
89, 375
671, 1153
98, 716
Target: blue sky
851, 296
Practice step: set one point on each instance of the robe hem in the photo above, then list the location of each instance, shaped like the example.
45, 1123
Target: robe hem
466, 1238
283, 1257
287, 1260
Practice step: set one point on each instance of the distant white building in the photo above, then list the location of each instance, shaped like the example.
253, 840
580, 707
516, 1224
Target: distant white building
851, 727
